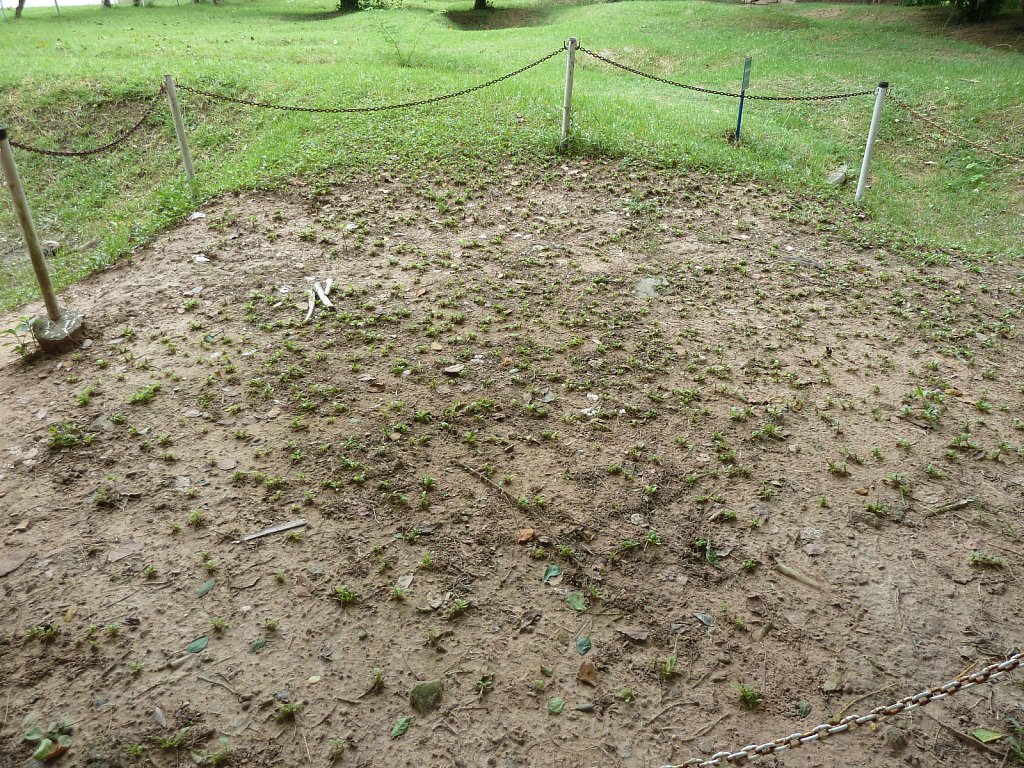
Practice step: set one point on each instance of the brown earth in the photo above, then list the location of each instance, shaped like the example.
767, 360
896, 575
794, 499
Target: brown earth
683, 386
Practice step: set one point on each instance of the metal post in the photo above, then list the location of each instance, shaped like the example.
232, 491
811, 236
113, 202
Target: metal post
28, 228
3, 10
876, 117
743, 94
57, 6
179, 127
570, 65
58, 329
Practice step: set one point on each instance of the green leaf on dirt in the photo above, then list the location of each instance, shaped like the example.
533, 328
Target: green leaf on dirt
551, 571
205, 587
711, 556
576, 601
556, 705
43, 750
400, 727
984, 735
583, 645
35, 734
198, 644
258, 644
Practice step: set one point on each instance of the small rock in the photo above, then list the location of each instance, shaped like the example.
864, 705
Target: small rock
425, 696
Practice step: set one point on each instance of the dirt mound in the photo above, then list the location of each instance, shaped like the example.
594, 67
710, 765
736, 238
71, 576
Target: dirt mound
638, 466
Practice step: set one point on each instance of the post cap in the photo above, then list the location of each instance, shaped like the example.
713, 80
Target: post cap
3, 132
883, 84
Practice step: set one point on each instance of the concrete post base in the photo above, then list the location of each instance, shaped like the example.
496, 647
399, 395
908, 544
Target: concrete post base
67, 332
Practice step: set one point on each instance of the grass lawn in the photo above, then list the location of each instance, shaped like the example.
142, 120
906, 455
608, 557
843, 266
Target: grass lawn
82, 77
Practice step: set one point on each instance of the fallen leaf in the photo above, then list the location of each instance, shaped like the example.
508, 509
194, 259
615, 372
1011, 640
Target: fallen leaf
636, 634
587, 673
303, 586
984, 735
583, 645
226, 464
551, 571
525, 535
198, 644
401, 726
158, 715
126, 549
528, 619
258, 644
274, 412
556, 705
405, 582
205, 587
861, 491
576, 601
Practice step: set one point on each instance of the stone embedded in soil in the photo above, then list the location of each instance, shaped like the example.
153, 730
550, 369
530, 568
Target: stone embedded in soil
425, 696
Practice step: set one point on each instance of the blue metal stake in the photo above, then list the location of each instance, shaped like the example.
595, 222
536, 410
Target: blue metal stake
743, 95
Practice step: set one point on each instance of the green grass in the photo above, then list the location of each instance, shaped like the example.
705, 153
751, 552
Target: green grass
80, 78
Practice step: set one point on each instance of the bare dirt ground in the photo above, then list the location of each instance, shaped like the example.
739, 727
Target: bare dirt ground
557, 446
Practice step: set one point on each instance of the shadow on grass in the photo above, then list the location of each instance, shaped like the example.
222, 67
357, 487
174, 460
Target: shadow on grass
1005, 32
496, 18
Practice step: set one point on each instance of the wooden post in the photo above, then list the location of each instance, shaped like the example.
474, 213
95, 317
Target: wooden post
570, 66
876, 117
28, 228
58, 329
179, 128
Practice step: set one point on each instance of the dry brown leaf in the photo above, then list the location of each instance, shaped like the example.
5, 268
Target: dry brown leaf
587, 673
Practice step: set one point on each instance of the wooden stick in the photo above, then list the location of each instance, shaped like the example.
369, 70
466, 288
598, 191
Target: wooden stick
312, 304
268, 531
796, 575
322, 295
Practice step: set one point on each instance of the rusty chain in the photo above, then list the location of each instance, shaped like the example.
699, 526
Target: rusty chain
381, 108
122, 137
698, 89
942, 129
852, 722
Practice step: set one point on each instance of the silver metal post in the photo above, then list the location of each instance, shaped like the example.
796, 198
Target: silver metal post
3, 10
876, 117
28, 228
570, 65
179, 127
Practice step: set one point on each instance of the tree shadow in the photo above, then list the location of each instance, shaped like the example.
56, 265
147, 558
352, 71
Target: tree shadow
496, 18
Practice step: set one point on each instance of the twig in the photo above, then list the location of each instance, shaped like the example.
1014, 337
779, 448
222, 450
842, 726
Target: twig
965, 738
225, 686
666, 709
796, 575
839, 715
705, 729
951, 507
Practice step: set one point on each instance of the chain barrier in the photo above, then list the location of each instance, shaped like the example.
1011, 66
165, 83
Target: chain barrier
121, 138
698, 89
852, 722
381, 108
942, 129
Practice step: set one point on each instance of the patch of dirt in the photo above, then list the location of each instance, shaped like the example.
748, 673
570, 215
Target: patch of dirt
550, 404
1005, 32
496, 18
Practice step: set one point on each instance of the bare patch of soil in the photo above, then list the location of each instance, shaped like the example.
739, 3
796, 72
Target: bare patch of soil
558, 415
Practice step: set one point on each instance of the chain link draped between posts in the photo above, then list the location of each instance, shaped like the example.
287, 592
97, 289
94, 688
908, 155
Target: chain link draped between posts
698, 89
382, 107
119, 139
852, 722
953, 134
